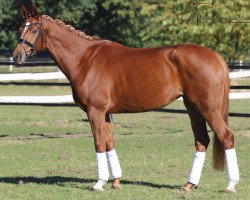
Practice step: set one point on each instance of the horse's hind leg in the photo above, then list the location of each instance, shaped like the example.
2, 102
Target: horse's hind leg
215, 112
224, 138
201, 143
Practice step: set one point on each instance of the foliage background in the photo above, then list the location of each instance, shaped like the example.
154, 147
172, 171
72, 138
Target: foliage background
144, 23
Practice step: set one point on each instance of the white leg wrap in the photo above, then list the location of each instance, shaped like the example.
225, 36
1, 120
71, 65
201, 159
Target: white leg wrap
103, 171
99, 185
115, 167
198, 162
232, 168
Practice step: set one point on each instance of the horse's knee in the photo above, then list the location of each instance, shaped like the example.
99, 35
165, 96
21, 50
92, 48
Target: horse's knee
104, 140
100, 141
100, 148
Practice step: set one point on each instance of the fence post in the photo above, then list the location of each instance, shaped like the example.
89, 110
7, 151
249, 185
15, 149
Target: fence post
11, 66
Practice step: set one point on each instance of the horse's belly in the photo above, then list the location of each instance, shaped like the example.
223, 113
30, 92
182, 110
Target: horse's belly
146, 99
145, 86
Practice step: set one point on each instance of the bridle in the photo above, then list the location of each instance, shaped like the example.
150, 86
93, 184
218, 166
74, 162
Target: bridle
40, 34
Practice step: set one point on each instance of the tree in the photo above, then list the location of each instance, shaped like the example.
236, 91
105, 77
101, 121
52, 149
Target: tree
146, 23
9, 22
75, 12
155, 23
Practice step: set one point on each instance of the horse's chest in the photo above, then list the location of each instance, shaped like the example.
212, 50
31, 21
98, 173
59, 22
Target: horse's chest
85, 97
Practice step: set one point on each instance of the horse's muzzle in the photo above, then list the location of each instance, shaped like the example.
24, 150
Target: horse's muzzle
19, 55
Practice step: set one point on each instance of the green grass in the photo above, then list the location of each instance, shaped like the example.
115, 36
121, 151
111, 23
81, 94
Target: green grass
13, 90
241, 81
28, 120
23, 69
155, 150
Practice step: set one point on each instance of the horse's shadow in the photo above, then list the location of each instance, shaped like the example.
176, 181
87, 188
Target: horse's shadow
62, 181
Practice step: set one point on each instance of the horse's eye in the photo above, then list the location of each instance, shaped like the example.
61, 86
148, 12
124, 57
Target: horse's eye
34, 31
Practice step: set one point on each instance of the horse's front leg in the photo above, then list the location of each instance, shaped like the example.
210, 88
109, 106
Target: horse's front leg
114, 164
105, 152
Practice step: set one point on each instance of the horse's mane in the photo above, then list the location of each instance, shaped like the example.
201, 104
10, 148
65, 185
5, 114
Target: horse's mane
70, 28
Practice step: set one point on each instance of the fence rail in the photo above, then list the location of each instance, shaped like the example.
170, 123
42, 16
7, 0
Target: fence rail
29, 63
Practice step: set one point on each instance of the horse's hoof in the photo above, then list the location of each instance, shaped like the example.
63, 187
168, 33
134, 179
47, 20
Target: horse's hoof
116, 184
98, 186
186, 189
230, 190
116, 187
189, 186
92, 189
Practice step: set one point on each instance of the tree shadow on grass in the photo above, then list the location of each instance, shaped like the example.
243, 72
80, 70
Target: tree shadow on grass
62, 181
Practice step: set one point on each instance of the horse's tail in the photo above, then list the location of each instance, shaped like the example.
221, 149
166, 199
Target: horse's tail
218, 149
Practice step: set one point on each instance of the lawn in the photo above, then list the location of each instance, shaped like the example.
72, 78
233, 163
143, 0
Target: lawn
155, 151
16, 69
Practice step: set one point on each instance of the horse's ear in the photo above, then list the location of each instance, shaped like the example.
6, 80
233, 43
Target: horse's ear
34, 11
25, 13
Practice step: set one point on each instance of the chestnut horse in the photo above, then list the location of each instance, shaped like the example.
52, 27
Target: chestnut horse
107, 78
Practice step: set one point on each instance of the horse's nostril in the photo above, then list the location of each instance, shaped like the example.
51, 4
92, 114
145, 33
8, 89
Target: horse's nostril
19, 57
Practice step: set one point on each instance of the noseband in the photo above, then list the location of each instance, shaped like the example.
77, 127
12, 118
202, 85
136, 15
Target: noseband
40, 34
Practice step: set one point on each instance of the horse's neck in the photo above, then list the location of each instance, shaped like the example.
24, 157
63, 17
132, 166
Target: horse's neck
66, 49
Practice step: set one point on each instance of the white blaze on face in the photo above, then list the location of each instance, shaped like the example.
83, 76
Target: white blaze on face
26, 26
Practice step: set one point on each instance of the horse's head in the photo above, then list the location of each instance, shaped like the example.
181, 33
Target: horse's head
31, 35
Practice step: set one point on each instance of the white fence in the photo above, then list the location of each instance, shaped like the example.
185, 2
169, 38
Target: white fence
31, 76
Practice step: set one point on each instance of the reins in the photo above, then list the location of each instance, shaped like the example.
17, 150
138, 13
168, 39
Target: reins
40, 34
